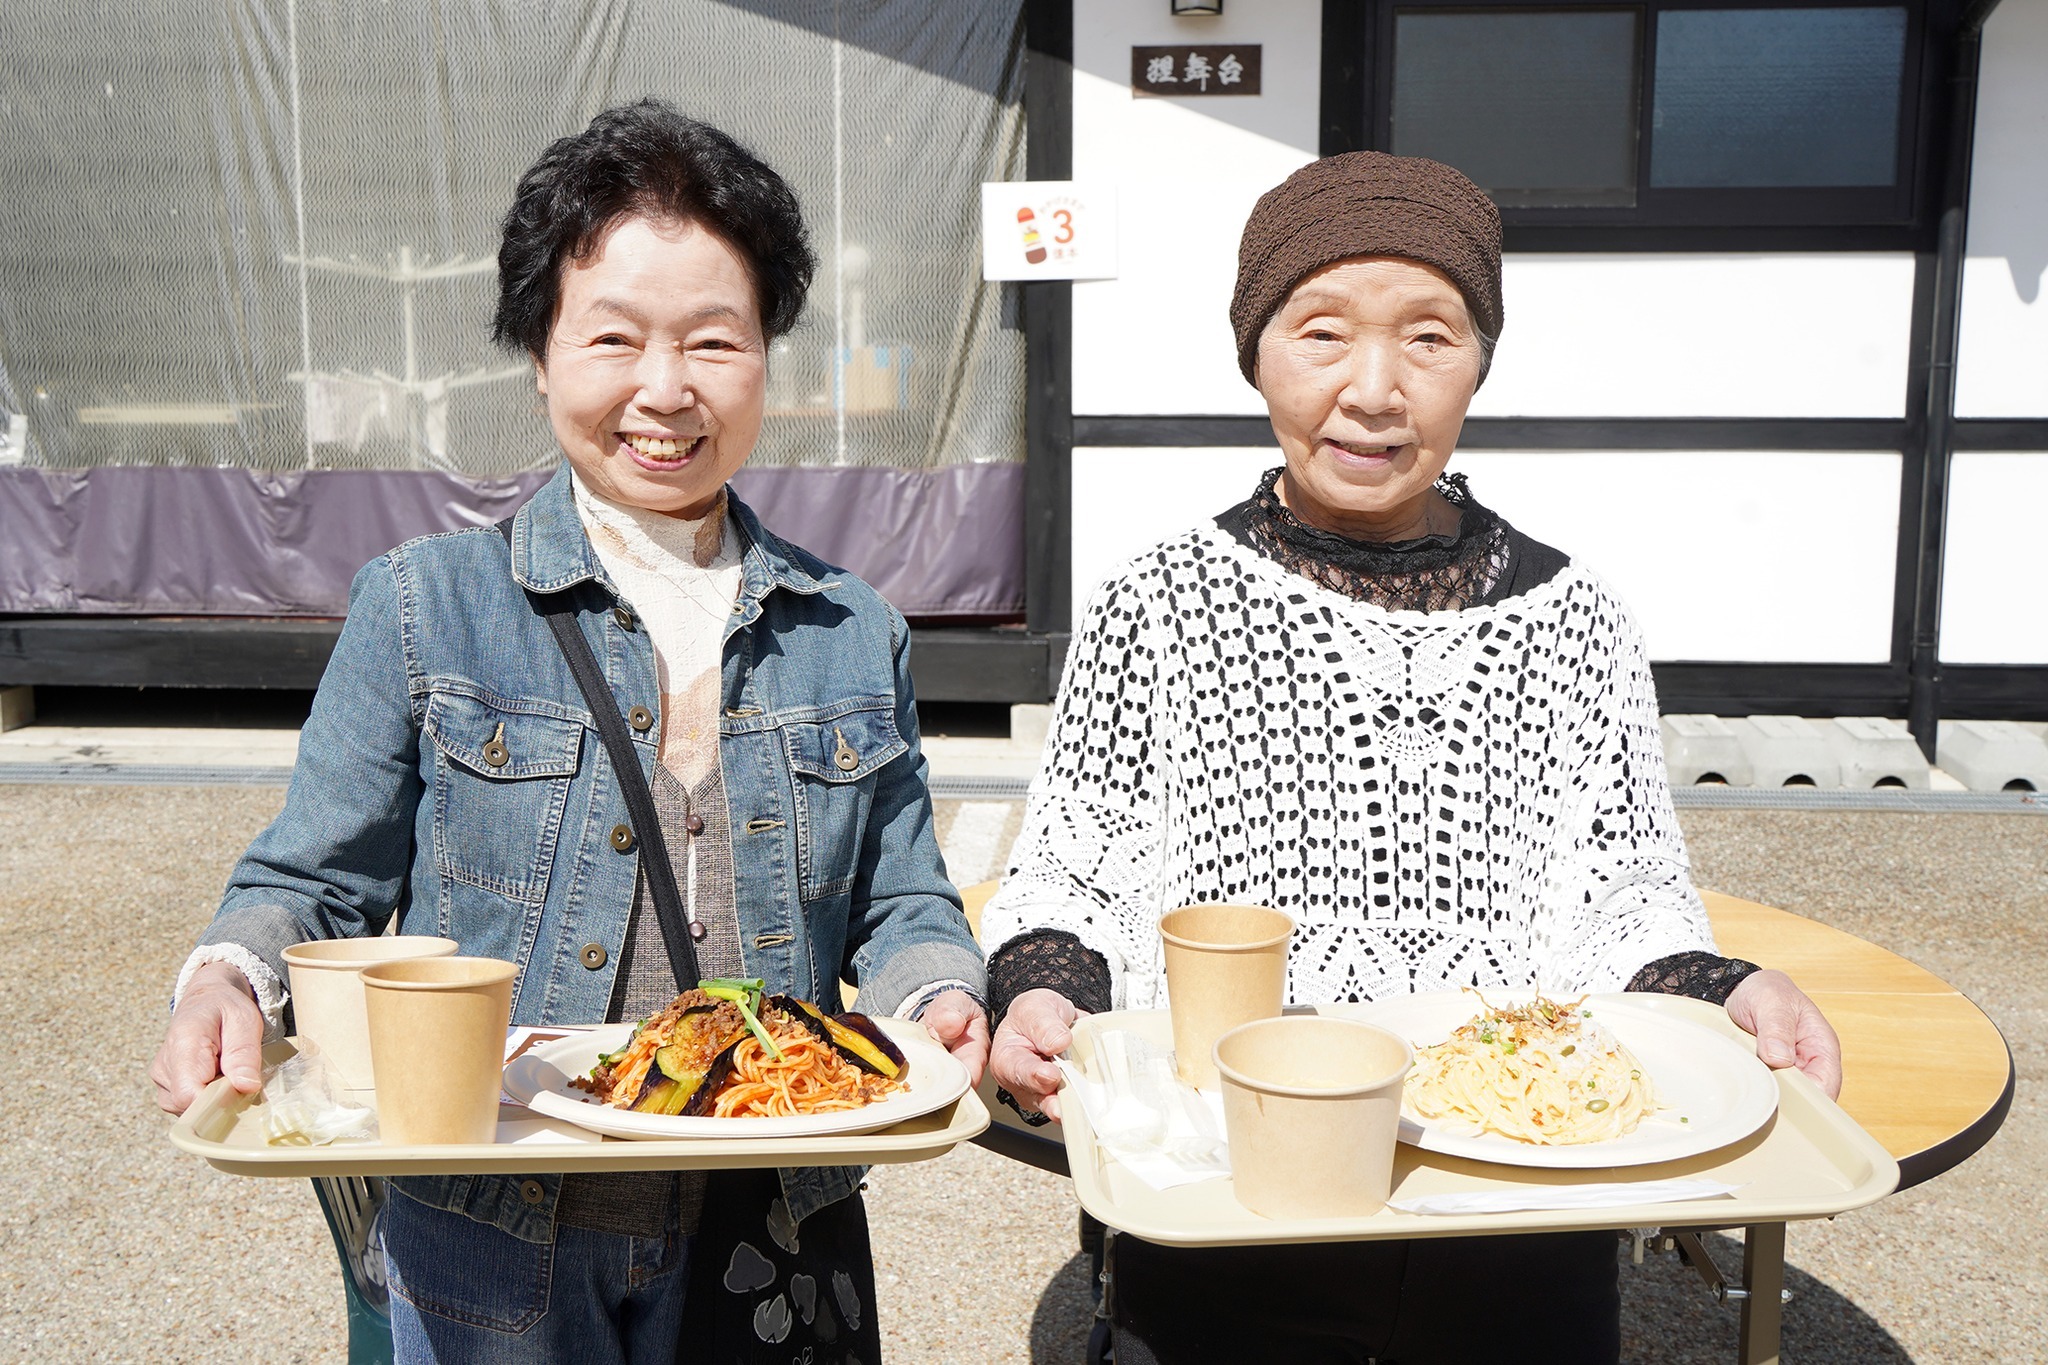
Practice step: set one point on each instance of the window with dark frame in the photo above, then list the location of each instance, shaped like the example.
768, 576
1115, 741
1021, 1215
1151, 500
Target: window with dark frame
1748, 122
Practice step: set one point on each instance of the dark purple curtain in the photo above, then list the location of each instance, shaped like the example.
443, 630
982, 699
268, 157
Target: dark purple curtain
237, 542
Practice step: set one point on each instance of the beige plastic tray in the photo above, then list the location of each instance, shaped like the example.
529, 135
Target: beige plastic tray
1810, 1161
227, 1130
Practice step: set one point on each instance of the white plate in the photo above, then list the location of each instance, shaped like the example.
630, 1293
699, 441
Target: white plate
540, 1081
1719, 1087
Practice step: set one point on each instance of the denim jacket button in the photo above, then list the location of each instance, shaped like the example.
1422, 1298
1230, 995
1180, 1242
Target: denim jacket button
594, 956
623, 617
622, 838
640, 718
532, 1191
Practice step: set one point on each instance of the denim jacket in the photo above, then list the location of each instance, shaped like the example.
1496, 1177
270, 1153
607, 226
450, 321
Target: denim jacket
393, 808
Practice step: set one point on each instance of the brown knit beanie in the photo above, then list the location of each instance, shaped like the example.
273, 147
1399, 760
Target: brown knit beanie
1365, 204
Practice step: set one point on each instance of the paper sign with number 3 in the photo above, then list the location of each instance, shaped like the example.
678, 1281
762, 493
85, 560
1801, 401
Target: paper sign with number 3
1048, 230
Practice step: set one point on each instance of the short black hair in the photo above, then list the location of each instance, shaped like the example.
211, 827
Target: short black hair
645, 159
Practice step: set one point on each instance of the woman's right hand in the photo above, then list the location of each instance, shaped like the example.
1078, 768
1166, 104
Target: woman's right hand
1038, 1027
216, 1031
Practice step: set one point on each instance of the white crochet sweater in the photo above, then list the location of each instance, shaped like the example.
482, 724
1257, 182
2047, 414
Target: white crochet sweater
1454, 798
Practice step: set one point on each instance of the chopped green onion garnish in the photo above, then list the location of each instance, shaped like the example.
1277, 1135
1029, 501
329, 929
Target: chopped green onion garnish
746, 994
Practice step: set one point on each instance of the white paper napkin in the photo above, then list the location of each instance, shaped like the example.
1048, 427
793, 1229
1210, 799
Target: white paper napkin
1157, 1126
1566, 1197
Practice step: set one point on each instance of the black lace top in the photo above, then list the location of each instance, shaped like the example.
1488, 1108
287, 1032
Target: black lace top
1482, 562
1479, 563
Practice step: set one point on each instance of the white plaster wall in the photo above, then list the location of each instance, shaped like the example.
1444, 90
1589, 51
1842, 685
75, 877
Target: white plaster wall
1759, 556
1755, 556
1126, 499
2002, 367
1992, 610
1733, 335
1749, 335
1157, 339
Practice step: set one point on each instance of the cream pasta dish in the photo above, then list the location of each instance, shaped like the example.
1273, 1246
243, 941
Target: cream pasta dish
1541, 1072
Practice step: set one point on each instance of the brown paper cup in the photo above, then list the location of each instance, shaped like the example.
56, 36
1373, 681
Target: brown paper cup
1225, 965
437, 1032
1312, 1107
327, 994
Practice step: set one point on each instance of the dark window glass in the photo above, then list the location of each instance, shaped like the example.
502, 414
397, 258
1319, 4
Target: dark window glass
1771, 97
1539, 108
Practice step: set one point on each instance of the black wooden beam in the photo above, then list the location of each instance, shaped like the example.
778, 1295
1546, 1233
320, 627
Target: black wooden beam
953, 664
290, 653
1997, 433
1994, 691
165, 651
1743, 689
1048, 308
1554, 433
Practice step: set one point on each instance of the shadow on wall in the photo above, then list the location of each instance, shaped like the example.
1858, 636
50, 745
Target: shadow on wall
1667, 1317
2009, 197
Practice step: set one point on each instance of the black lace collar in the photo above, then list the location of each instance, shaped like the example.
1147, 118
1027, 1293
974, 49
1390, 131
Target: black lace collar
1444, 572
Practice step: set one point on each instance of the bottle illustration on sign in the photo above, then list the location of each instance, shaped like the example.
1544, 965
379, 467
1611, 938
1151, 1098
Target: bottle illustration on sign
1034, 249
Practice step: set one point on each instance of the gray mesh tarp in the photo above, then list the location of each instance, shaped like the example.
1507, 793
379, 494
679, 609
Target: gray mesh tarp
261, 237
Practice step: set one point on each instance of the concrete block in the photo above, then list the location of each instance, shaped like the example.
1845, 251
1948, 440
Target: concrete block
1876, 751
1703, 749
1029, 722
1787, 751
17, 708
1992, 755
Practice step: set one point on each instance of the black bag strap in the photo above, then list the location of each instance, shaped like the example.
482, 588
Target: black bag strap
558, 609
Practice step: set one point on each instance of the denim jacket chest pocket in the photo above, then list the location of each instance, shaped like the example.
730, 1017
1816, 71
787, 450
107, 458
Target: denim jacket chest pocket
502, 771
833, 762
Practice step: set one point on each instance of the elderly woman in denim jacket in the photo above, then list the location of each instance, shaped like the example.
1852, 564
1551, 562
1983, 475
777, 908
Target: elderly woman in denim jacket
450, 774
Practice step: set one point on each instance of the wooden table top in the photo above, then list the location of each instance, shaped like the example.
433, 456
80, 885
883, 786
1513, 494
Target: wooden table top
1924, 1070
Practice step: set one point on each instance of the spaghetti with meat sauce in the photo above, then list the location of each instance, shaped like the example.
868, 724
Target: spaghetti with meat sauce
725, 1050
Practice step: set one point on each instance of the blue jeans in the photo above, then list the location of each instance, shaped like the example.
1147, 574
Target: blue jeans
464, 1291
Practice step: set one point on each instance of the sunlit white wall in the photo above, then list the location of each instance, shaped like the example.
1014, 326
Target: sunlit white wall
1728, 335
1992, 608
1763, 556
1768, 556
1187, 171
2002, 370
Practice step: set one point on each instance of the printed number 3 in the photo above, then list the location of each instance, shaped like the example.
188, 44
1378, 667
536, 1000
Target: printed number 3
1066, 228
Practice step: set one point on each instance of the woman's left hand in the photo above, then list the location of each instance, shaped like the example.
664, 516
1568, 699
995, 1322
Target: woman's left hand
1790, 1029
961, 1028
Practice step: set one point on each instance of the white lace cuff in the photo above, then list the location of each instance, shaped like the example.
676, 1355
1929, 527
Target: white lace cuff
270, 992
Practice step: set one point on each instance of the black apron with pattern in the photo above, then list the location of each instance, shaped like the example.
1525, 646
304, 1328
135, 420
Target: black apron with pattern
764, 1291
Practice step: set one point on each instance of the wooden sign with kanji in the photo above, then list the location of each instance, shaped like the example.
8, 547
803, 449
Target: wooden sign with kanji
1219, 70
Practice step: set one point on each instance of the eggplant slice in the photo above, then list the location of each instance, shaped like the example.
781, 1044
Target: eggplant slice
853, 1036
691, 1066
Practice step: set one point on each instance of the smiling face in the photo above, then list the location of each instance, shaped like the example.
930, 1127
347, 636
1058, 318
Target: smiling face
656, 367
1367, 370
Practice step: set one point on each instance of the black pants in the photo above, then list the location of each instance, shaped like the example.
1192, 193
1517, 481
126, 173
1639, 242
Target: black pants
1436, 1301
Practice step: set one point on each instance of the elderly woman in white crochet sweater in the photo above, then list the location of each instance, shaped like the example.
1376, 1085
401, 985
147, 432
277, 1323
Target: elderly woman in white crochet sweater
1360, 696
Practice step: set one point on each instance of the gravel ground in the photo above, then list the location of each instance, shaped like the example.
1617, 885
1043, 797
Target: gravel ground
123, 1249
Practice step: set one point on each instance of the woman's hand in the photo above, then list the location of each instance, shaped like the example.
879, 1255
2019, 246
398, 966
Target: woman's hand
961, 1027
1790, 1029
217, 1031
1038, 1028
